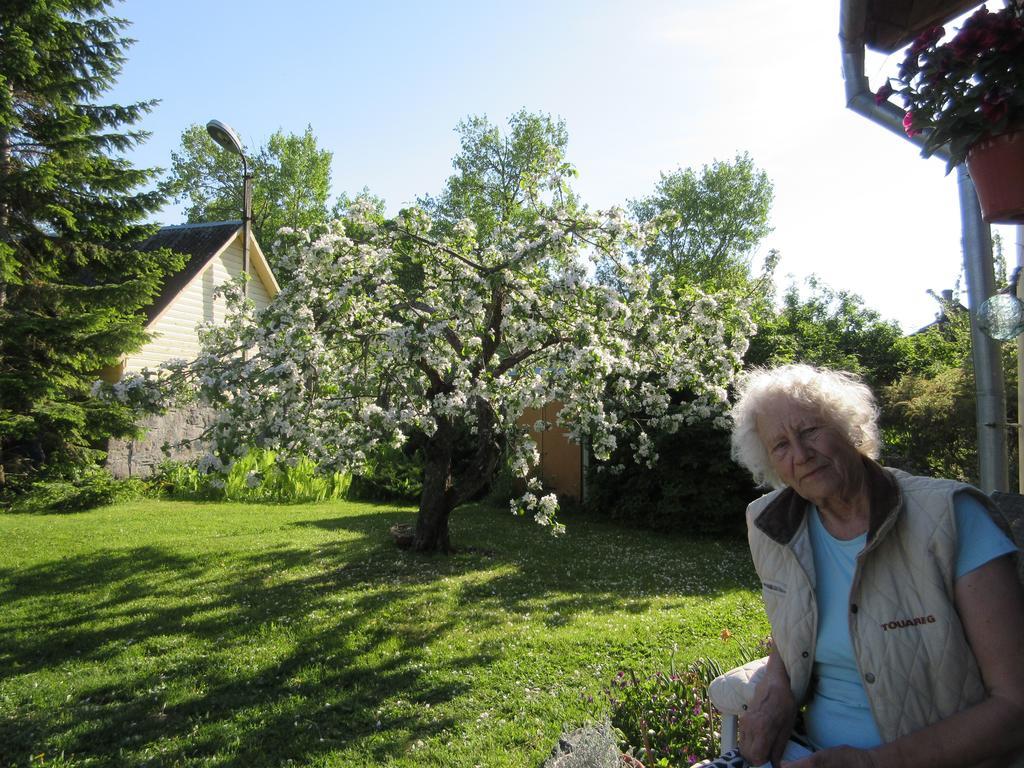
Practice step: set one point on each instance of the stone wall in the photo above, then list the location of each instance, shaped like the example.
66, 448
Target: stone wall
140, 458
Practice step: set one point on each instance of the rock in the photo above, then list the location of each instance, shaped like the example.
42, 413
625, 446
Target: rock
402, 533
593, 746
181, 429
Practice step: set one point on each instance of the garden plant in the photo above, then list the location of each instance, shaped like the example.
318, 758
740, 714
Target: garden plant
666, 717
964, 88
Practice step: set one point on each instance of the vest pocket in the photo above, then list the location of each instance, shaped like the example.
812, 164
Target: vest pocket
774, 594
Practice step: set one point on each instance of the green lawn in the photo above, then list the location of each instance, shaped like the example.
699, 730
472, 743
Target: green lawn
173, 633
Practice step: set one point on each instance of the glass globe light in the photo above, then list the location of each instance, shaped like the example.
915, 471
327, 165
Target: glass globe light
1001, 317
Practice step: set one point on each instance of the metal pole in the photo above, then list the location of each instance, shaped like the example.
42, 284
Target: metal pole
1020, 368
988, 372
246, 224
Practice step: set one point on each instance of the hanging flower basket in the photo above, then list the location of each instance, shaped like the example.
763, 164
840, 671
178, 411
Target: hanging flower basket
996, 166
965, 93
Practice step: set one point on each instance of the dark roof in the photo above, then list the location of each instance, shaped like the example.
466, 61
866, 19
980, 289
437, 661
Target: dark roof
942, 318
200, 242
892, 24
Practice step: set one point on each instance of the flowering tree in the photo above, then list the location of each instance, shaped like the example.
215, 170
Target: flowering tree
427, 324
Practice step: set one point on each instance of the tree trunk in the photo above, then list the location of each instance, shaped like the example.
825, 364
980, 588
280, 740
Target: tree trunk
5, 237
438, 498
443, 490
5, 171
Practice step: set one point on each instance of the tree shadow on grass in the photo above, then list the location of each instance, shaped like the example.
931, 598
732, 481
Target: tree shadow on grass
596, 567
150, 655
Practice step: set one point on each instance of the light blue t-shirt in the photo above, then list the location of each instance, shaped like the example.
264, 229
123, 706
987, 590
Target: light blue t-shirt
838, 712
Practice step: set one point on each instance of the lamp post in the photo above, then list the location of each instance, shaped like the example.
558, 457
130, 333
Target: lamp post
1020, 368
225, 136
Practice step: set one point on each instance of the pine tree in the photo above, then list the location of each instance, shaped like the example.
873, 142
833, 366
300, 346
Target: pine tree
71, 210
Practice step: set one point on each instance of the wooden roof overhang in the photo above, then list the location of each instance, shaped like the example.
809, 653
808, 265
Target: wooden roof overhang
200, 242
893, 24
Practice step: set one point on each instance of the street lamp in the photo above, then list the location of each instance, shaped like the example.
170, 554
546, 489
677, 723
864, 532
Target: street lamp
225, 136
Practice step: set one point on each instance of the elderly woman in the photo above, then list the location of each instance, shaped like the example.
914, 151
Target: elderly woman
894, 602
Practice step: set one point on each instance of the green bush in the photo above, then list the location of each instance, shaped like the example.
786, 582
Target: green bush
390, 474
181, 480
85, 489
256, 477
695, 488
504, 486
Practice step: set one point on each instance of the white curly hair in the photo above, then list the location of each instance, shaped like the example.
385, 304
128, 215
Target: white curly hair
840, 397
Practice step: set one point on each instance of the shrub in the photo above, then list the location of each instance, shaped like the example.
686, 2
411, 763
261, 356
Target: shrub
86, 488
256, 477
181, 480
390, 474
694, 488
259, 476
504, 486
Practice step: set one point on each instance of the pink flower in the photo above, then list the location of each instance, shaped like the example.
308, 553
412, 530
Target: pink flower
908, 125
883, 93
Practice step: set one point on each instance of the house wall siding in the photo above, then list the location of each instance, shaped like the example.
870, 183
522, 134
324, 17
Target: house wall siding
175, 330
175, 435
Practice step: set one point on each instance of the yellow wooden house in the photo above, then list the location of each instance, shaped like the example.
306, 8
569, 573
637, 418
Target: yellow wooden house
187, 300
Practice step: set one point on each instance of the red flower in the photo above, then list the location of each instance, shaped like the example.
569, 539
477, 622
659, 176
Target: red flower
1013, 36
965, 44
908, 125
971, 41
980, 18
988, 39
927, 38
993, 107
883, 93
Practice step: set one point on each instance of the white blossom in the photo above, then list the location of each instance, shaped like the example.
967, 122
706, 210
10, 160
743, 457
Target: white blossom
347, 358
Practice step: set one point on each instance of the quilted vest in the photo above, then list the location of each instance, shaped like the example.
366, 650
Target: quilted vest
914, 659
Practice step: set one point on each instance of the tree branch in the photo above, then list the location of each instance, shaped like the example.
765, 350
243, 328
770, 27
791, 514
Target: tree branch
449, 334
443, 248
437, 385
513, 360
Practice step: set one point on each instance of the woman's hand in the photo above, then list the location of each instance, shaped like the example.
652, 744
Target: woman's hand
837, 757
766, 725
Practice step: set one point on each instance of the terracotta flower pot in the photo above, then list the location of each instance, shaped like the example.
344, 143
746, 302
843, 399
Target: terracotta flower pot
996, 166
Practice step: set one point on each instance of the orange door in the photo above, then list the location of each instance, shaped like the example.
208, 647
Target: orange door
561, 460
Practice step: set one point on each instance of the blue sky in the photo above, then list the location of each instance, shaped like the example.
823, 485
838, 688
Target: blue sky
644, 87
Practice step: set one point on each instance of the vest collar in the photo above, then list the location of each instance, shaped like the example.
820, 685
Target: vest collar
781, 519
